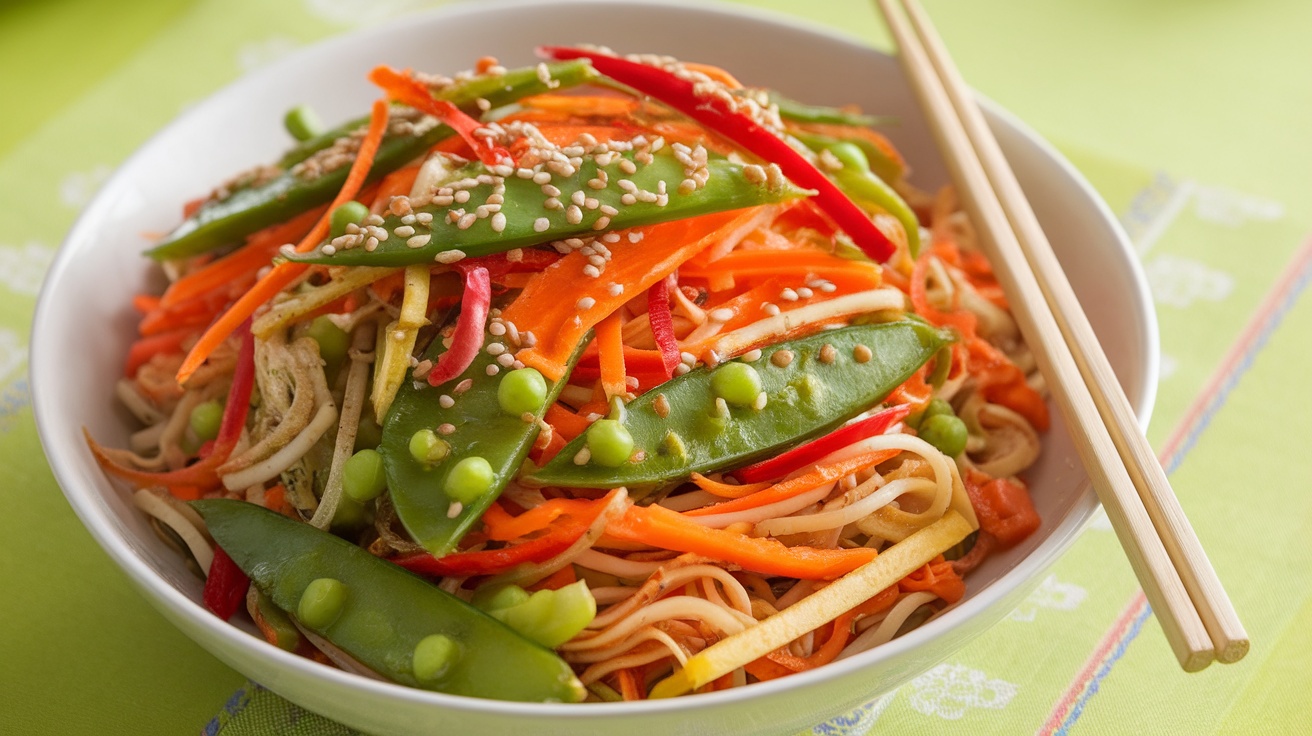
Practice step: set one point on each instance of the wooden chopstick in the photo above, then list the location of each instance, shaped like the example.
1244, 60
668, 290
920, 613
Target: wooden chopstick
1196, 615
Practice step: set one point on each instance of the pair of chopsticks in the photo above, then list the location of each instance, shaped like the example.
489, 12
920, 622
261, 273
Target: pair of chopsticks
1199, 621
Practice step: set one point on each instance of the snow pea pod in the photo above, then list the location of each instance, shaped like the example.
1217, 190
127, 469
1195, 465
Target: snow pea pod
524, 218
382, 615
860, 183
475, 425
226, 221
811, 385
800, 112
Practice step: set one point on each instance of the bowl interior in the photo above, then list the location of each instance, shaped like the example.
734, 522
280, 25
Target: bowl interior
100, 267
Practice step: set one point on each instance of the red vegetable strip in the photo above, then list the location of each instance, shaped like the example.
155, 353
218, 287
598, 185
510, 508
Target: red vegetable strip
225, 585
147, 347
285, 273
938, 577
812, 451
662, 322
467, 339
810, 480
407, 90
741, 129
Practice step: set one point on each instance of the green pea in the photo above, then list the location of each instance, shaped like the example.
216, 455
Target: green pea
348, 515
205, 420
736, 383
426, 447
370, 433
363, 478
302, 122
469, 479
496, 597
946, 432
523, 390
333, 340
321, 603
433, 656
345, 214
609, 443
937, 407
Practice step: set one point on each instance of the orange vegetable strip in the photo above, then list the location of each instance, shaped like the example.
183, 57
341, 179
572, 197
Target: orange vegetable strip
407, 90
145, 303
727, 490
558, 322
715, 73
285, 273
566, 422
629, 684
840, 631
502, 527
794, 263
937, 577
610, 353
807, 481
601, 106
659, 527
396, 184
147, 347
556, 580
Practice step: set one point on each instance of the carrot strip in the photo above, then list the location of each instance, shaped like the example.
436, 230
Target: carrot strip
659, 527
556, 580
937, 577
727, 490
407, 90
502, 527
566, 422
629, 684
715, 73
807, 481
147, 347
559, 324
839, 632
742, 263
399, 183
610, 353
284, 274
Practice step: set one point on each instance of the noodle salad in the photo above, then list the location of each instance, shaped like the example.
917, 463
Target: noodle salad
603, 379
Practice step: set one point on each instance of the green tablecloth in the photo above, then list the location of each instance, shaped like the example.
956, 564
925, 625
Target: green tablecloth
1192, 119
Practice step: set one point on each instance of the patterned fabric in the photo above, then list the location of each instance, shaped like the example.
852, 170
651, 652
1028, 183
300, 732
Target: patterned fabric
1220, 222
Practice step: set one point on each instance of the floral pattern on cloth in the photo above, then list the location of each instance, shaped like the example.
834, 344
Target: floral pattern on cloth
950, 691
1052, 594
22, 267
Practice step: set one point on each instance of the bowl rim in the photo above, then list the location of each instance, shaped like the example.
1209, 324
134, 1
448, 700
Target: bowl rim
96, 516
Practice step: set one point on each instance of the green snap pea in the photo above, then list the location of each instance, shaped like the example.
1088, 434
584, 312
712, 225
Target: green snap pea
321, 603
737, 383
434, 655
470, 478
225, 222
349, 213
609, 443
861, 184
527, 219
333, 340
388, 611
795, 111
945, 432
522, 390
348, 515
475, 425
302, 122
205, 420
363, 478
806, 397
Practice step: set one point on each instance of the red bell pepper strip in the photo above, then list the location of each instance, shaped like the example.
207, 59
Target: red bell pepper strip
467, 339
662, 322
225, 585
1003, 506
405, 89
812, 451
717, 115
529, 260
201, 474
495, 561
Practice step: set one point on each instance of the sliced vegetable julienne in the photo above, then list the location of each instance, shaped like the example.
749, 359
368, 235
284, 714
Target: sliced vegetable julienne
864, 186
472, 424
727, 120
398, 340
811, 612
385, 613
811, 385
524, 218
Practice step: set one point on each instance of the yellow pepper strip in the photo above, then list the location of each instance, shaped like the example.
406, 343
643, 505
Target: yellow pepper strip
819, 608
397, 342
302, 304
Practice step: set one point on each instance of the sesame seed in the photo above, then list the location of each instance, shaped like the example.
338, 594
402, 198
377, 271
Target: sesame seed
328, 250
687, 358
530, 339
583, 456
449, 256
446, 402
805, 293
628, 166
551, 190
371, 244
722, 314
404, 231
425, 218
585, 303
578, 197
788, 295
524, 173
828, 353
419, 241
373, 220
552, 204
454, 509
628, 199
687, 186
631, 382
635, 236
505, 359
573, 215
542, 177
781, 358
446, 428
862, 354
496, 348
466, 221
751, 356
498, 222
483, 104
441, 200
591, 203
681, 369
602, 223
497, 328
596, 184
770, 309
721, 407
608, 210
610, 237
408, 220
662, 200
515, 255
463, 386
591, 271
596, 260
493, 369
615, 289
760, 402
462, 196
661, 406
541, 224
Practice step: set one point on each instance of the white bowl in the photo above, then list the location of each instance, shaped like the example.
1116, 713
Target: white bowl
84, 316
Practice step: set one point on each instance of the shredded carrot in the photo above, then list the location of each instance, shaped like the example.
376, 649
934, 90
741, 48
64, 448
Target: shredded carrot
610, 353
145, 303
629, 684
937, 577
566, 422
840, 630
502, 527
797, 262
665, 529
284, 274
600, 106
147, 347
727, 490
715, 73
396, 184
559, 324
914, 391
557, 580
808, 481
